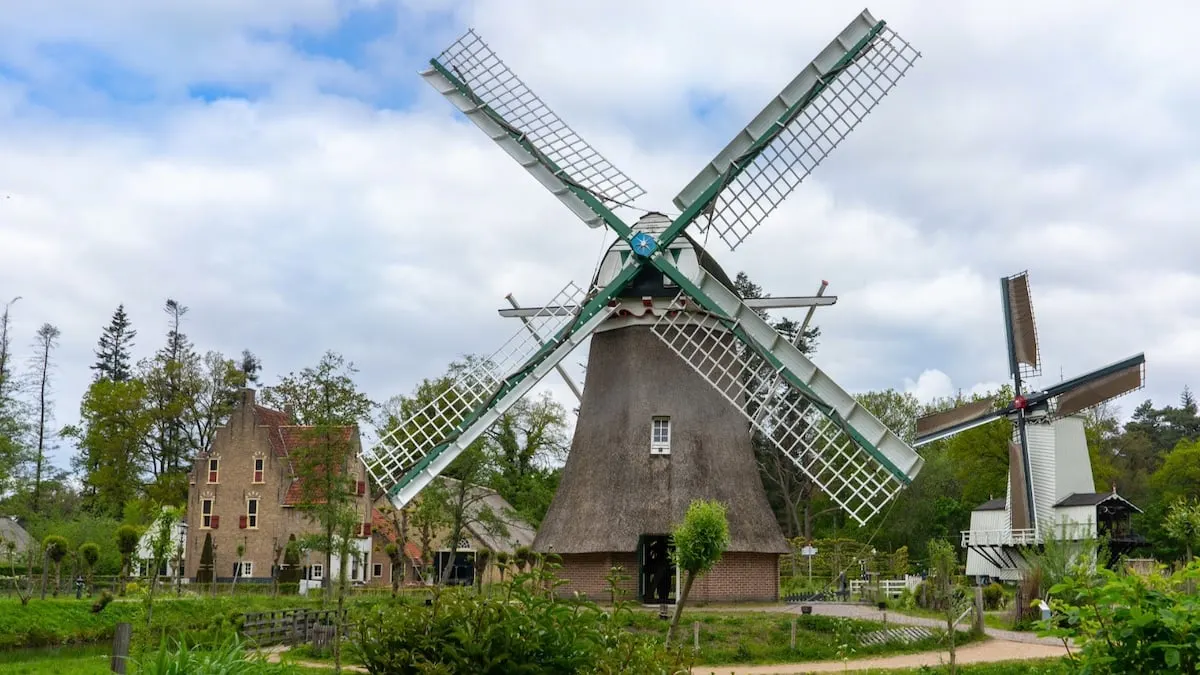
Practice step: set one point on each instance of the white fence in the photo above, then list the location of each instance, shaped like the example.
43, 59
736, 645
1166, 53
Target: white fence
891, 588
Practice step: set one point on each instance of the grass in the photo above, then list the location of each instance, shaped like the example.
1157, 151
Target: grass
1051, 666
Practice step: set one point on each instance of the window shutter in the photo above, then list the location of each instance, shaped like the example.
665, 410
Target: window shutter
216, 522
362, 487
242, 522
366, 529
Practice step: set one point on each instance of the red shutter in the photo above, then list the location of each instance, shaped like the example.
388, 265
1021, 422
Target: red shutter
366, 529
362, 487
242, 522
216, 522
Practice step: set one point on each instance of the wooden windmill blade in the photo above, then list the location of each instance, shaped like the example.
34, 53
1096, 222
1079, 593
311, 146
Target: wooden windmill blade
1103, 384
838, 443
777, 150
474, 79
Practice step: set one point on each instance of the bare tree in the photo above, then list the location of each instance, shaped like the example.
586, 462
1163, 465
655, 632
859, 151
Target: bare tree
47, 340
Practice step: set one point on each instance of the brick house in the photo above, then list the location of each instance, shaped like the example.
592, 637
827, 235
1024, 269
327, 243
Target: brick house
244, 490
512, 532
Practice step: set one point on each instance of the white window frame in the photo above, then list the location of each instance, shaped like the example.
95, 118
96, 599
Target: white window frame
206, 518
376, 570
659, 446
246, 568
262, 473
212, 473
316, 571
252, 515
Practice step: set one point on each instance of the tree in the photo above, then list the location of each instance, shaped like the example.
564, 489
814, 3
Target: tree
171, 378
14, 451
114, 422
89, 555
326, 399
250, 366
700, 541
1183, 524
162, 547
47, 340
127, 541
112, 351
56, 548
943, 560
1179, 475
211, 398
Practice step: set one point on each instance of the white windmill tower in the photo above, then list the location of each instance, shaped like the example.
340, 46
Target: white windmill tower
1050, 490
661, 295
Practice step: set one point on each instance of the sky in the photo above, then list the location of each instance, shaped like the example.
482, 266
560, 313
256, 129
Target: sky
280, 168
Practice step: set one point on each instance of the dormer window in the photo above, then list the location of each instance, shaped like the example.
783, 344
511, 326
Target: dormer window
660, 436
213, 473
259, 465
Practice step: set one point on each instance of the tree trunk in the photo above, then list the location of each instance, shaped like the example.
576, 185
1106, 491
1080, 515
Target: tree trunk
45, 573
41, 448
679, 602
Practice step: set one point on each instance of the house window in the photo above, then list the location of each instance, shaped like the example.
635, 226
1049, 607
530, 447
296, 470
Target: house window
212, 470
252, 513
317, 572
377, 569
206, 514
258, 469
660, 436
246, 569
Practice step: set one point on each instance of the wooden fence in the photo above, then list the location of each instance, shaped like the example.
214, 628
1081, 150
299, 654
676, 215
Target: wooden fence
289, 626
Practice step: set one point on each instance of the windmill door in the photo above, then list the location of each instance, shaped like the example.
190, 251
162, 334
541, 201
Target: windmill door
656, 571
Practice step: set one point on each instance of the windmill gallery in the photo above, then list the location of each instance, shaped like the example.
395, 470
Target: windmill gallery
684, 374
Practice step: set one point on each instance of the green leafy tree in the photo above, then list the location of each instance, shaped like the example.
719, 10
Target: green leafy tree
112, 350
1183, 524
89, 555
56, 548
162, 547
14, 423
113, 425
171, 379
700, 541
943, 561
326, 399
127, 541
1179, 475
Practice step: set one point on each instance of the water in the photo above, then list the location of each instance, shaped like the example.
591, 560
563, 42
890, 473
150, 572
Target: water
98, 650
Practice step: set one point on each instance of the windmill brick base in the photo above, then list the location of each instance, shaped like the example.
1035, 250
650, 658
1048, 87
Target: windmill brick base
738, 577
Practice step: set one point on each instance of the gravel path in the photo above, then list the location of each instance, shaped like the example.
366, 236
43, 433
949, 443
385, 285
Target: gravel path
872, 614
990, 651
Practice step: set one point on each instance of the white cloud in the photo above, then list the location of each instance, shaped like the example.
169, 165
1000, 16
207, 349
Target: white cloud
1050, 138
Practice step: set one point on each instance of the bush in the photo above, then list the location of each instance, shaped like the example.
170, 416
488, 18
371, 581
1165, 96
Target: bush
523, 626
993, 596
1129, 624
101, 602
230, 657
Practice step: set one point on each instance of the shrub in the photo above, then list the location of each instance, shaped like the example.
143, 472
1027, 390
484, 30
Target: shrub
101, 602
1129, 624
230, 657
523, 626
993, 596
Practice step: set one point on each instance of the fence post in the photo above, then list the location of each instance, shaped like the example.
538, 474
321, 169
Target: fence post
696, 637
793, 634
977, 624
120, 653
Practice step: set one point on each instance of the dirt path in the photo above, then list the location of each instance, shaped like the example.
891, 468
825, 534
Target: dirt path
979, 652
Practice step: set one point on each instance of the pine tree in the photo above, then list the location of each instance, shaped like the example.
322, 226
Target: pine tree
47, 340
112, 354
251, 366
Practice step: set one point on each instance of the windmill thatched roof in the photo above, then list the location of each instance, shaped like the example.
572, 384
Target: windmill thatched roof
613, 490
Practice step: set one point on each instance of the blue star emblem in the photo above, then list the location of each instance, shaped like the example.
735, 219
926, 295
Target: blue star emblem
643, 244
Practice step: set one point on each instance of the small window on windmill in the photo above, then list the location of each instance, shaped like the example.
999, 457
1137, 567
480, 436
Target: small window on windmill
668, 282
660, 436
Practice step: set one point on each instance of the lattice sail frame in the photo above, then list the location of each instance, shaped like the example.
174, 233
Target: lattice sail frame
853, 479
818, 128
474, 62
435, 423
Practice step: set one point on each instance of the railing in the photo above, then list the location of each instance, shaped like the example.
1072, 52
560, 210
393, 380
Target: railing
287, 626
1003, 537
891, 588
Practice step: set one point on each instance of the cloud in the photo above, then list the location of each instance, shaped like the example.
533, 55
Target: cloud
280, 168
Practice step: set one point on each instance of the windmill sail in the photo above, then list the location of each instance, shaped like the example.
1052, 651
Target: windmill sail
949, 422
841, 446
470, 75
765, 162
423, 444
1022, 330
1096, 387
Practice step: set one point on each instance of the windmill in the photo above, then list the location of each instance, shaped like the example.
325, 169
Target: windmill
1049, 471
667, 332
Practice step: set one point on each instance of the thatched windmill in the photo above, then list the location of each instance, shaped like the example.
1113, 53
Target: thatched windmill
681, 369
